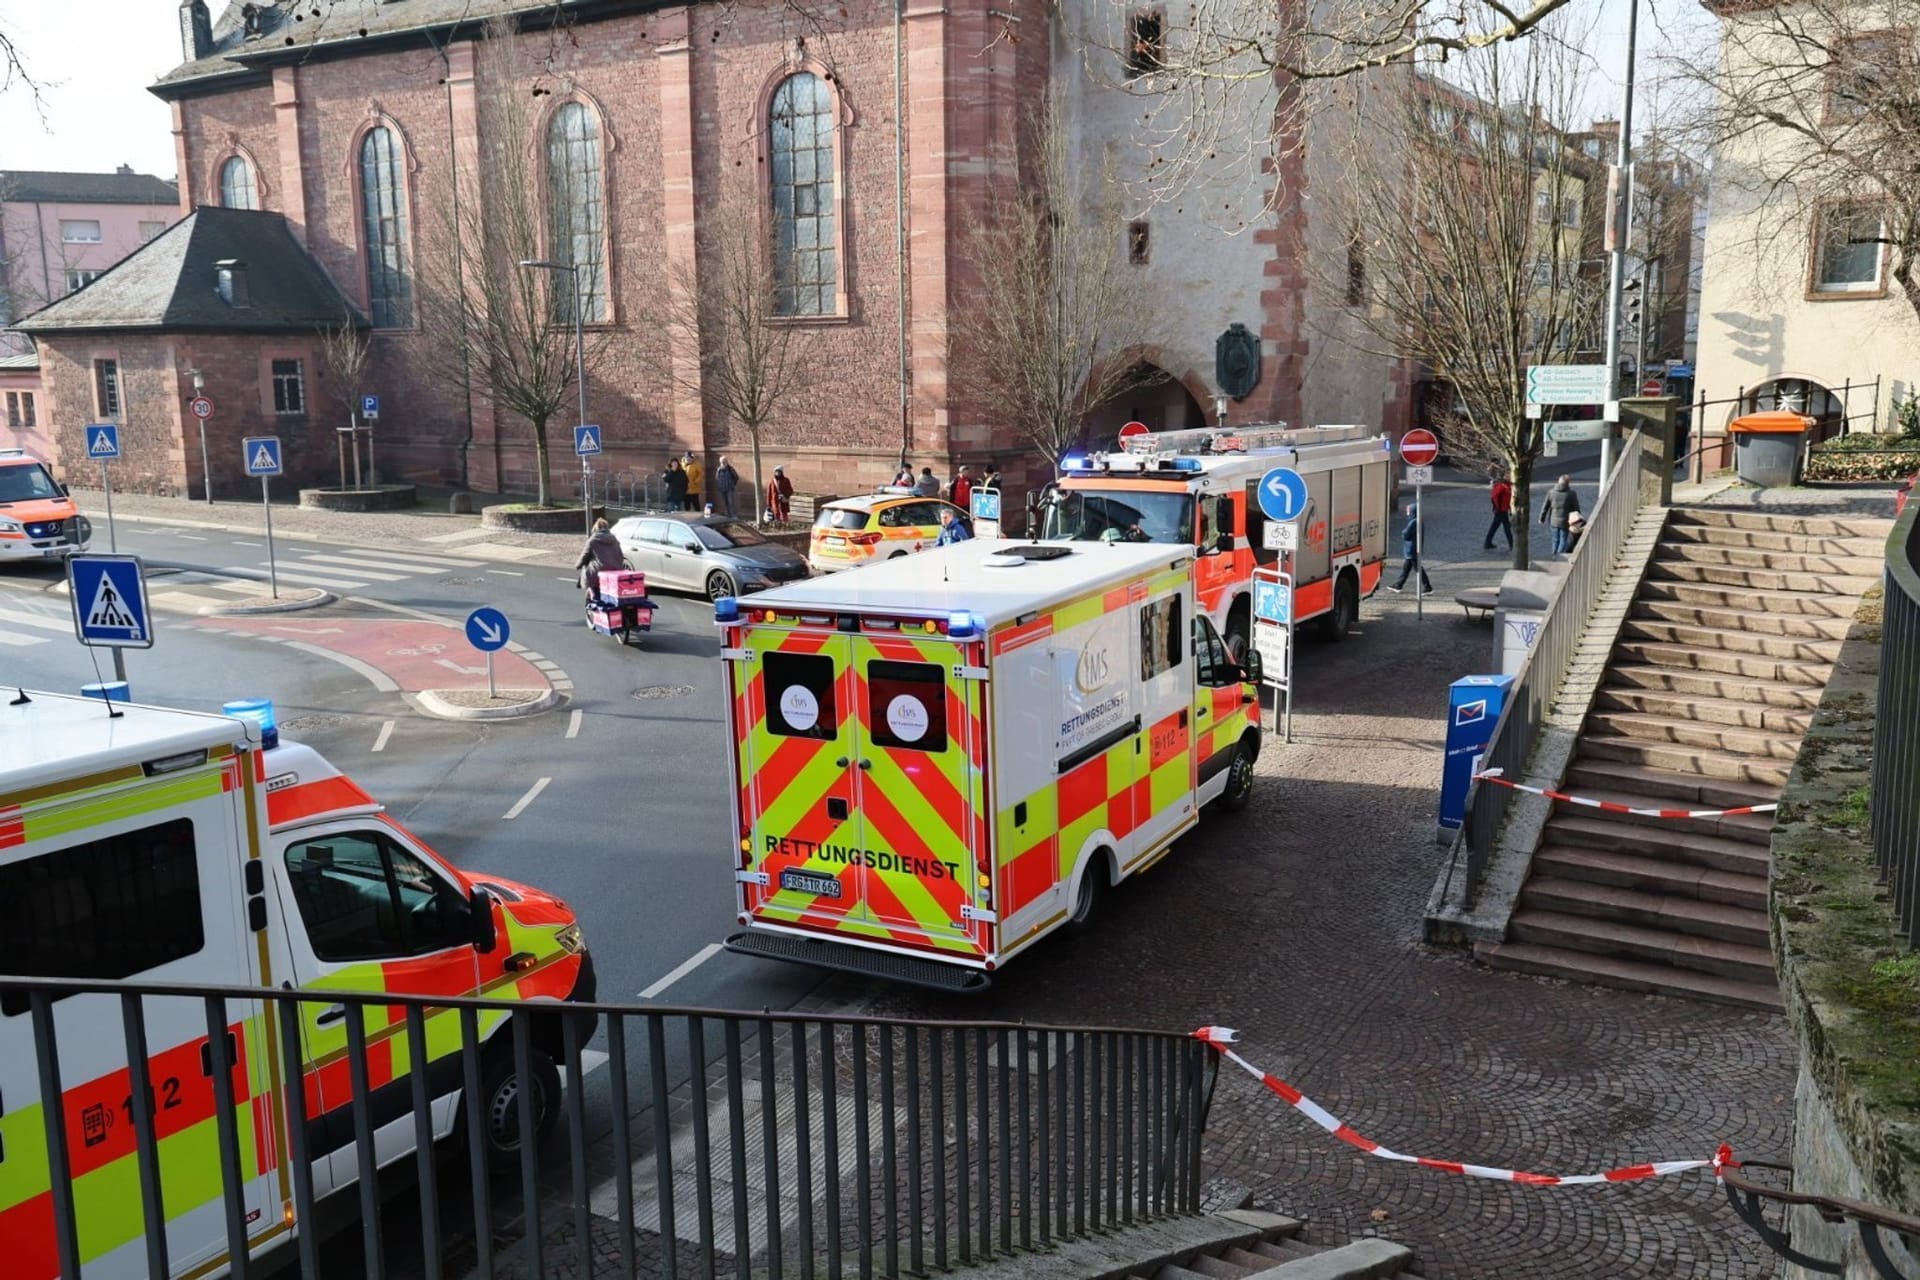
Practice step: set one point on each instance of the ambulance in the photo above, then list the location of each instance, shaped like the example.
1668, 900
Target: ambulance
1199, 489
161, 846
940, 760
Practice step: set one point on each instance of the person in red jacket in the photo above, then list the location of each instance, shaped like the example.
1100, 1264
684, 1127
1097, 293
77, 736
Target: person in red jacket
779, 496
1502, 499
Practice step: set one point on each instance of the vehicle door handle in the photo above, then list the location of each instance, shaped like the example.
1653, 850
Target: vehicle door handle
1199, 711
331, 1014
866, 764
842, 762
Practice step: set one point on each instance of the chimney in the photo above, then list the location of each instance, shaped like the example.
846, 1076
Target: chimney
230, 282
125, 169
196, 30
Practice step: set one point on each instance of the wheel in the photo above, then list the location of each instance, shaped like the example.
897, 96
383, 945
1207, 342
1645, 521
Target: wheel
1093, 889
500, 1103
1346, 608
896, 555
1239, 780
1239, 631
719, 585
623, 634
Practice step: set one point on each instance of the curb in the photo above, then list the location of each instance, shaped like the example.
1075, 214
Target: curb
430, 702
314, 601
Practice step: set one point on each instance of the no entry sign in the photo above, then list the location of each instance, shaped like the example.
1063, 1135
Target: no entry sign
1419, 447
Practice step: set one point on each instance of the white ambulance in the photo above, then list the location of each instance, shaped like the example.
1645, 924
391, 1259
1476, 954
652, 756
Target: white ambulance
160, 847
939, 760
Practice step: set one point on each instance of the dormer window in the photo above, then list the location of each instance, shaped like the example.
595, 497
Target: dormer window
230, 281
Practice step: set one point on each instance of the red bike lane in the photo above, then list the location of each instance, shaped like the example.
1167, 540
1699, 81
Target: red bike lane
412, 655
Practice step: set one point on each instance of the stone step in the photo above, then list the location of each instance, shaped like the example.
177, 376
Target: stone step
1768, 540
1655, 908
1758, 667
1590, 775
1802, 625
1651, 875
1800, 526
1584, 828
1772, 603
1752, 829
1627, 974
1726, 575
1681, 706
1706, 736
1756, 558
1712, 684
1675, 758
1724, 640
1365, 1259
1729, 959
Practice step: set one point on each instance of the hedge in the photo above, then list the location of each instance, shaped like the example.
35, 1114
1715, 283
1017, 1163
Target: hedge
1865, 456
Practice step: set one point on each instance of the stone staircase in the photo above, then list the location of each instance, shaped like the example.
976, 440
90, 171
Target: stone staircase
1271, 1249
1713, 680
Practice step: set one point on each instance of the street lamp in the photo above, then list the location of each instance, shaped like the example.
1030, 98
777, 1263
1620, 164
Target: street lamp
580, 366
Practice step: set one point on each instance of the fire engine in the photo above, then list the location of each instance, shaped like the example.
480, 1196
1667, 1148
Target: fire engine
1198, 488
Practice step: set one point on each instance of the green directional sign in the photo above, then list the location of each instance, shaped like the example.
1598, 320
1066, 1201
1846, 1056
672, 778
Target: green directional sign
1568, 384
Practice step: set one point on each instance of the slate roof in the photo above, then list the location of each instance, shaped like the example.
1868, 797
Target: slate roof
168, 283
25, 362
31, 186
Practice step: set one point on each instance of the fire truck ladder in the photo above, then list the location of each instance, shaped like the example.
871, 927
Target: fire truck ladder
1250, 439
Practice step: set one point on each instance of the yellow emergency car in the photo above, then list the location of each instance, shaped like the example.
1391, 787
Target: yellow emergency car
850, 532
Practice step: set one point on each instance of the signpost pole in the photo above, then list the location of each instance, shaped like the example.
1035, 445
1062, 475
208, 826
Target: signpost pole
206, 467
1419, 549
490, 692
586, 492
106, 482
273, 569
1287, 735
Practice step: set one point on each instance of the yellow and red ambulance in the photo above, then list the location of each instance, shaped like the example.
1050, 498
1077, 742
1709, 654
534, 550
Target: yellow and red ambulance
1199, 489
939, 761
163, 846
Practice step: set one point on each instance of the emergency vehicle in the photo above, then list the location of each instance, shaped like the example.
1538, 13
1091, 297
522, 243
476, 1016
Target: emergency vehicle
939, 761
895, 521
164, 846
1198, 488
38, 519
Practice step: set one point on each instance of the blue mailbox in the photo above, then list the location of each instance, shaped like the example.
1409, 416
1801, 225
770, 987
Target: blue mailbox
1474, 704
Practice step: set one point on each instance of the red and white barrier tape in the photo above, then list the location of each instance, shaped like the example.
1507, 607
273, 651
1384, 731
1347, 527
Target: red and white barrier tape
1608, 806
1220, 1038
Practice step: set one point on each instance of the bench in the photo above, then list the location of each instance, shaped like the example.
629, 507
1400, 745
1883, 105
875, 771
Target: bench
1482, 598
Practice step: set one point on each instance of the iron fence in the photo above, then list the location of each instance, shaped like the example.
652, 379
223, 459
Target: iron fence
689, 1142
1538, 681
625, 490
1895, 804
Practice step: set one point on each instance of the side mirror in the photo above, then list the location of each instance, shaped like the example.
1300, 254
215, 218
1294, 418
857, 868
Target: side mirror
1223, 543
1252, 666
63, 490
483, 935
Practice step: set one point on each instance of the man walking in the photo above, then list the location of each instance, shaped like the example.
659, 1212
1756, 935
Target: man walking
725, 481
1561, 506
1502, 499
1410, 553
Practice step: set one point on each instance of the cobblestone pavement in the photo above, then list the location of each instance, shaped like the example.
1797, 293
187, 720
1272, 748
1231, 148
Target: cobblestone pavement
1872, 500
1298, 922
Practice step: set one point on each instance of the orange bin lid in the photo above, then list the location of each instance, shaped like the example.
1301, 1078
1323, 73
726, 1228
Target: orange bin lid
1774, 420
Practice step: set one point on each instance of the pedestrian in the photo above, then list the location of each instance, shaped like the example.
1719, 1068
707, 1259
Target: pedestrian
725, 481
1502, 498
962, 493
1561, 506
696, 481
990, 475
1576, 525
1410, 553
676, 481
903, 478
952, 528
779, 496
926, 486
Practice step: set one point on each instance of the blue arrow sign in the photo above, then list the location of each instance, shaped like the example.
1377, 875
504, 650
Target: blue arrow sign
103, 442
1272, 601
109, 595
262, 454
986, 504
369, 406
1283, 494
487, 629
586, 440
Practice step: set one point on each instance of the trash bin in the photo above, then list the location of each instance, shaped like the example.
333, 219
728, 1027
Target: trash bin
1767, 447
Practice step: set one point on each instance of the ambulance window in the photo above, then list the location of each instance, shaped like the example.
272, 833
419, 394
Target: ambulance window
1161, 636
800, 695
363, 897
1257, 526
907, 705
108, 909
1211, 667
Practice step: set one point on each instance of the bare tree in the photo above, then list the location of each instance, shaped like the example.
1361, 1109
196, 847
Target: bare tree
501, 327
1465, 203
1050, 333
346, 349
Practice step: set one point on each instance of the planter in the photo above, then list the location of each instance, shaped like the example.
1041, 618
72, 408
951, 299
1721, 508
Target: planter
1826, 463
383, 497
520, 517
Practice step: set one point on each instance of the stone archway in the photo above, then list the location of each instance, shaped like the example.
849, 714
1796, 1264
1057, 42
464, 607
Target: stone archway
1797, 395
1162, 401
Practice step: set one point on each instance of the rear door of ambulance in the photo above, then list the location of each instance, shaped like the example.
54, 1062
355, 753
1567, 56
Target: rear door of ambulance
860, 759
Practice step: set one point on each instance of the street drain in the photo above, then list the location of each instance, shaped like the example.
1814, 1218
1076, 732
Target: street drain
460, 582
647, 693
300, 724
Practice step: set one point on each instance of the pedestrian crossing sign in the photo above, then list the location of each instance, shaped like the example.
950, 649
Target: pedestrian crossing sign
103, 442
262, 454
109, 595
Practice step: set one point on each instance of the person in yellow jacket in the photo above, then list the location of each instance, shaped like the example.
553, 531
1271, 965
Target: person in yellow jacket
696, 481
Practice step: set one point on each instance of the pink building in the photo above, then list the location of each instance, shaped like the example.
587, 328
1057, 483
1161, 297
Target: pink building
60, 232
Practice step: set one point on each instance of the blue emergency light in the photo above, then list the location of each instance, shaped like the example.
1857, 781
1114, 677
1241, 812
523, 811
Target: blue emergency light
726, 609
256, 711
1186, 464
1075, 464
961, 626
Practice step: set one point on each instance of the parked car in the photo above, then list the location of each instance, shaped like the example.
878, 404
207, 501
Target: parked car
714, 555
38, 521
850, 532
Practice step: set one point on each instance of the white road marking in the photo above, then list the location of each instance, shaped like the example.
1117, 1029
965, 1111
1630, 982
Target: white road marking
386, 731
376, 677
386, 573
261, 575
194, 537
240, 542
22, 642
573, 723
394, 561
519, 806
457, 669
511, 573
37, 620
311, 631
684, 968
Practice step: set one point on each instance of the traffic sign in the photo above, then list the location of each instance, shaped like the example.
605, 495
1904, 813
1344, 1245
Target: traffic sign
986, 504
1270, 642
103, 442
262, 454
369, 406
1272, 601
1652, 387
1418, 476
109, 595
200, 407
1280, 535
586, 440
1568, 383
487, 629
1419, 447
1283, 494
1571, 432
1131, 430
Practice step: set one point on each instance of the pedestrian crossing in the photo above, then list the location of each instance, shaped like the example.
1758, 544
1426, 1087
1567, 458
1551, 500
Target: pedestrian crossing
331, 568
28, 623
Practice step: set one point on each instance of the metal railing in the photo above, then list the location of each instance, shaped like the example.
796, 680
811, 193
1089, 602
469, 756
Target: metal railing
714, 1143
1895, 798
1537, 684
624, 490
1746, 1195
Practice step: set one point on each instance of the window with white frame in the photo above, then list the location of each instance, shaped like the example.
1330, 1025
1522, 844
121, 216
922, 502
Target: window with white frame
383, 214
79, 278
237, 187
806, 251
80, 231
106, 388
1849, 249
20, 409
289, 387
577, 212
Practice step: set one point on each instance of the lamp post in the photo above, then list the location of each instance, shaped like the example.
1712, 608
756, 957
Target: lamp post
580, 365
1619, 228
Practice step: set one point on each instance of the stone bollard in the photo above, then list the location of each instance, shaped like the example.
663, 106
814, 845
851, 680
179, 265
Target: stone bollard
460, 504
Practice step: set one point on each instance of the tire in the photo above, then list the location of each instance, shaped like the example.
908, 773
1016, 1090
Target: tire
896, 555
1345, 613
719, 584
1093, 892
500, 1104
1239, 633
1239, 780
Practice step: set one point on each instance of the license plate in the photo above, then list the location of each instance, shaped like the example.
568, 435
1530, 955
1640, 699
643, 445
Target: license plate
836, 542
801, 882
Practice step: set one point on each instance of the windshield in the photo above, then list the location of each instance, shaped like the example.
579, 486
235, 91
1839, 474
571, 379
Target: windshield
728, 533
1127, 515
23, 484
